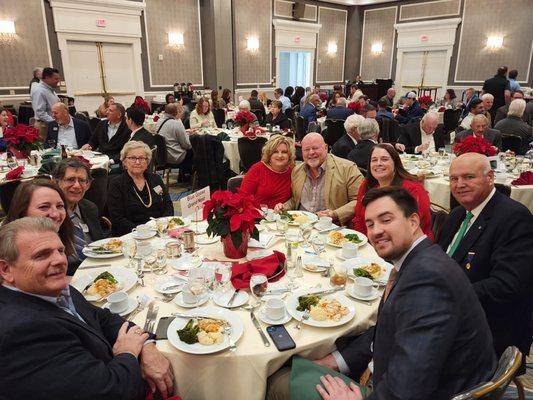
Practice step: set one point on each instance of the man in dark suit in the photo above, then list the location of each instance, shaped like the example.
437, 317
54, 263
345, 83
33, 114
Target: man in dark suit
339, 111
135, 120
348, 141
66, 130
369, 131
111, 134
418, 137
499, 87
480, 128
431, 339
55, 344
496, 250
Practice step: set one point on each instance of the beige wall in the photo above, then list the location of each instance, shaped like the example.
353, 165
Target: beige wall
440, 8
29, 48
330, 68
183, 65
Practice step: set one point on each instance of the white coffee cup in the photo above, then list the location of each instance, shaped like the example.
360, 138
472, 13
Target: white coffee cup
324, 222
143, 230
118, 302
187, 295
275, 309
271, 216
363, 286
349, 250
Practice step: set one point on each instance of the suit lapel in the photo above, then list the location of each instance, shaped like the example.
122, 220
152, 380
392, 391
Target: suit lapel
470, 238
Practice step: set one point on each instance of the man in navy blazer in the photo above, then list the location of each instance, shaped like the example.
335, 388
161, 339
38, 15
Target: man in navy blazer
66, 130
496, 251
55, 344
339, 111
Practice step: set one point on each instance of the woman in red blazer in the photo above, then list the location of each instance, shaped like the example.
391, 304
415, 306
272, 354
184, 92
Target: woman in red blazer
385, 169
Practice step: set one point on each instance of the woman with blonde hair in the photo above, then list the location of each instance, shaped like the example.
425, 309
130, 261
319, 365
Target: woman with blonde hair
269, 180
102, 110
136, 195
201, 116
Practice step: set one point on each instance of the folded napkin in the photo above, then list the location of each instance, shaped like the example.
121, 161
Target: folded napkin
269, 265
15, 173
223, 136
525, 178
265, 240
177, 232
47, 167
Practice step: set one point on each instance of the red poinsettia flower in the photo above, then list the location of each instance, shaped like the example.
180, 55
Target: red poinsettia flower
474, 144
245, 117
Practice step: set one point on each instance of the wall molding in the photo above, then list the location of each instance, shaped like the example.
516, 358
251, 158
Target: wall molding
288, 25
290, 16
117, 6
458, 12
343, 50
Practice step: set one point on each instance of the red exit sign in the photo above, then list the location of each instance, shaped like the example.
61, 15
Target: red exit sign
100, 23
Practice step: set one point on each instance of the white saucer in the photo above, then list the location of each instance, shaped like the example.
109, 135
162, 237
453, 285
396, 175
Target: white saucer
204, 239
338, 253
262, 316
221, 299
147, 235
179, 301
132, 304
373, 296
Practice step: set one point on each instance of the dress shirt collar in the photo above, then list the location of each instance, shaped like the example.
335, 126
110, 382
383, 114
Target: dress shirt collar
70, 123
353, 139
321, 170
113, 126
135, 131
50, 299
398, 263
477, 210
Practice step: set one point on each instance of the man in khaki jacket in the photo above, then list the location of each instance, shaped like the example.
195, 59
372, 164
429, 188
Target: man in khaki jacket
323, 184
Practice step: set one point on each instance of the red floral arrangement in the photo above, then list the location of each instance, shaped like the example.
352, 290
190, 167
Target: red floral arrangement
425, 99
232, 214
474, 144
245, 117
156, 118
23, 138
355, 106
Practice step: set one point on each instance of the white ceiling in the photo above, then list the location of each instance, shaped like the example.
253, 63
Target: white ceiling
358, 2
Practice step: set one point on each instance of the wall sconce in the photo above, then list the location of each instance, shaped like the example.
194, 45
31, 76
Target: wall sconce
7, 31
332, 48
252, 44
176, 39
495, 42
377, 48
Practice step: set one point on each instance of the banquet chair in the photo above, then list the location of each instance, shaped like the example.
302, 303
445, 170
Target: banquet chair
439, 216
450, 120
153, 161
234, 183
162, 163
389, 130
511, 142
220, 116
290, 114
494, 389
250, 151
260, 114
335, 130
300, 131
97, 192
210, 168
93, 122
313, 127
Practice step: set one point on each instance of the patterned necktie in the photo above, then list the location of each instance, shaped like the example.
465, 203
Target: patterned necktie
64, 301
392, 278
79, 240
460, 234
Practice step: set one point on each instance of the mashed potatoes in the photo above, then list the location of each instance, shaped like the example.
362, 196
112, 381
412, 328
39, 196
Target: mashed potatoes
328, 309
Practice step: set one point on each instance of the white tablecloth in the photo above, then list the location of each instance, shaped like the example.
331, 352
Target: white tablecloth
243, 375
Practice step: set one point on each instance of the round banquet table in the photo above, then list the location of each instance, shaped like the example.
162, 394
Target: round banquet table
243, 374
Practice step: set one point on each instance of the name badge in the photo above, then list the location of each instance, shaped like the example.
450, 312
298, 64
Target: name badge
158, 189
84, 227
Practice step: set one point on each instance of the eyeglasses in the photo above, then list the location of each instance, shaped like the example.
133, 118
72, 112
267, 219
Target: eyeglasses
73, 180
137, 159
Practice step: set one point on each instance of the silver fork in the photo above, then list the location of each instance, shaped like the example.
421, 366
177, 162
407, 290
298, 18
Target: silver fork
305, 317
139, 308
232, 346
151, 325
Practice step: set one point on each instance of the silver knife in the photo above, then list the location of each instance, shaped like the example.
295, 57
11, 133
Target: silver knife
277, 291
232, 298
258, 327
324, 292
182, 315
149, 316
96, 266
171, 287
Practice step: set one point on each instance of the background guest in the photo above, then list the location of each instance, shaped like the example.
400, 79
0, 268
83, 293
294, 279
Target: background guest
369, 111
289, 90
501, 112
368, 130
135, 117
419, 137
349, 140
141, 103
470, 95
176, 138
201, 116
450, 100
269, 180
389, 97
136, 195
285, 101
255, 103
216, 101
169, 99
37, 75
385, 169
299, 93
513, 83
383, 111
338, 110
488, 101
308, 113
4, 122
514, 124
101, 112
263, 98
411, 109
43, 97
480, 128
277, 117
226, 98
66, 130
475, 108
498, 86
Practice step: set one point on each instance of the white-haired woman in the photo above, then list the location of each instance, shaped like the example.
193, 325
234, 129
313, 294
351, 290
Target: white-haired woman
514, 125
488, 101
347, 142
136, 195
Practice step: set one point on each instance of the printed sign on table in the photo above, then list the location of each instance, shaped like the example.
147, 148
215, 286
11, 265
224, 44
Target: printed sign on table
193, 202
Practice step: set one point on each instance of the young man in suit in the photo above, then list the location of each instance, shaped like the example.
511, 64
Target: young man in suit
431, 339
419, 137
491, 237
55, 344
111, 134
66, 130
135, 120
480, 128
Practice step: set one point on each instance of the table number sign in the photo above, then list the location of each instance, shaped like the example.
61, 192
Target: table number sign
193, 203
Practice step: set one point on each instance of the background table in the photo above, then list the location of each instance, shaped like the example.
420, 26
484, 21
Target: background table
243, 374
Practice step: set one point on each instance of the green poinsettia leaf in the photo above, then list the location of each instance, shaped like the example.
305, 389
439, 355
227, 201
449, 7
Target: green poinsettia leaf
236, 238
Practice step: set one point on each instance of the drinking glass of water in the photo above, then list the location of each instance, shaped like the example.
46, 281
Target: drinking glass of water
258, 286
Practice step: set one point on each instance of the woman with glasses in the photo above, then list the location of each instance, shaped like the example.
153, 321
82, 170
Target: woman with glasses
136, 195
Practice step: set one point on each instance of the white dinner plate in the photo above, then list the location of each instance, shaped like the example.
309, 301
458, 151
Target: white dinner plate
386, 268
292, 303
237, 329
198, 228
362, 237
311, 217
88, 253
132, 303
205, 239
126, 280
311, 259
221, 299
161, 285
185, 262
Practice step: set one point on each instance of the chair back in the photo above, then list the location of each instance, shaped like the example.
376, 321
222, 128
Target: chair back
220, 116
300, 131
81, 116
93, 122
503, 189
335, 129
97, 192
260, 114
161, 154
186, 123
451, 120
153, 161
313, 127
511, 142
290, 114
208, 160
250, 151
439, 216
389, 130
509, 363
234, 183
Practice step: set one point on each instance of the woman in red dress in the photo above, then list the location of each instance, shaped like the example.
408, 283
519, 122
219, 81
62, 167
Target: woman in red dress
269, 180
385, 169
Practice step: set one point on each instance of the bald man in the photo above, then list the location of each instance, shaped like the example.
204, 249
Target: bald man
66, 130
419, 137
491, 237
323, 184
480, 128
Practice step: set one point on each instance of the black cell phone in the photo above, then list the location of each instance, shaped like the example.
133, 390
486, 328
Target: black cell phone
281, 337
162, 327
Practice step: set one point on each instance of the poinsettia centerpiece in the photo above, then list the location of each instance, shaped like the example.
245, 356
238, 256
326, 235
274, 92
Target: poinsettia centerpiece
23, 138
474, 144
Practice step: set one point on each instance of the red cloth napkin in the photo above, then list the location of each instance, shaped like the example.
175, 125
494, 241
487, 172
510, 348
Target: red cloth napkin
269, 265
525, 178
442, 109
15, 173
150, 396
